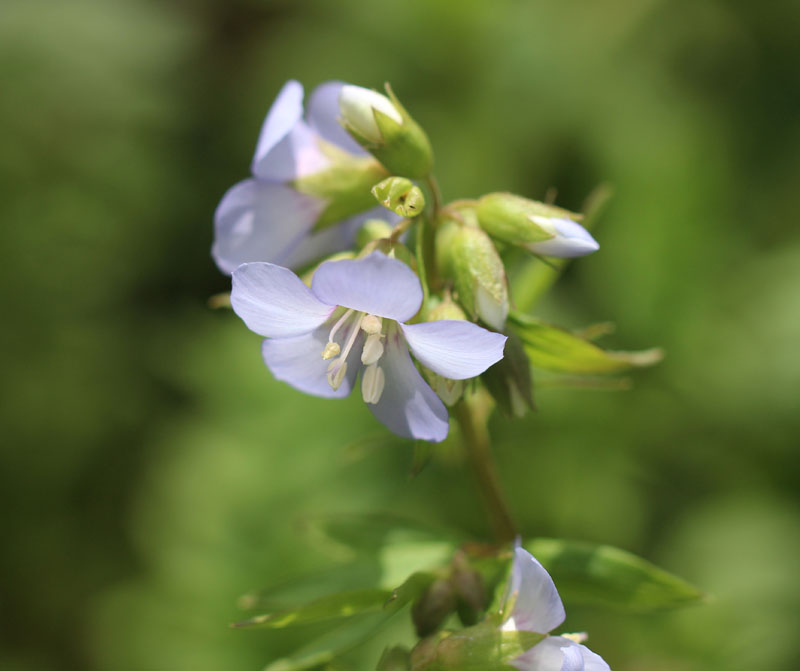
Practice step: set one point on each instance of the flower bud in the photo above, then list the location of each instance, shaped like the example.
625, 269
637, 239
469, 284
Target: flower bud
400, 195
450, 391
373, 229
467, 255
470, 590
539, 228
383, 127
435, 604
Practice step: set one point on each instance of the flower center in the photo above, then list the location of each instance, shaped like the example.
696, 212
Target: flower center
351, 323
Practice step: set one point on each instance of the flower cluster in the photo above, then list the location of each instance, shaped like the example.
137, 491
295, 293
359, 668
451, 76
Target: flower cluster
320, 180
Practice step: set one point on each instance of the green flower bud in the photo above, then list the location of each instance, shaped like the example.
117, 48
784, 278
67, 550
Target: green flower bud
344, 185
470, 590
467, 255
400, 195
435, 604
383, 127
373, 229
450, 391
540, 228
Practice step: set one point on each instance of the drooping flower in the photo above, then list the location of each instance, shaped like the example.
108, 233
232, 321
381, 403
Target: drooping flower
309, 190
352, 319
537, 607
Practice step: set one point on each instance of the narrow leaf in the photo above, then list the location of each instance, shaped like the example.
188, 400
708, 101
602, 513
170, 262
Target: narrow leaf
607, 576
341, 605
554, 349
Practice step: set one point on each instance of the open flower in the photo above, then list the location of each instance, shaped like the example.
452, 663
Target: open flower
537, 607
351, 320
309, 190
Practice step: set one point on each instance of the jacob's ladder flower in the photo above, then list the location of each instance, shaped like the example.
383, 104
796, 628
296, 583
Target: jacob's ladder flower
537, 607
351, 320
309, 190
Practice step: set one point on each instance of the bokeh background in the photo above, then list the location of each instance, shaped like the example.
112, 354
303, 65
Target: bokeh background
152, 471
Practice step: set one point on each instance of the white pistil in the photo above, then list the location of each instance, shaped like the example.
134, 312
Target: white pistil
373, 349
339, 323
372, 382
336, 372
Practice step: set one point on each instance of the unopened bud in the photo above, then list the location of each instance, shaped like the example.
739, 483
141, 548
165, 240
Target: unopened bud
470, 590
469, 256
538, 227
382, 126
445, 309
450, 391
435, 604
400, 195
358, 107
373, 229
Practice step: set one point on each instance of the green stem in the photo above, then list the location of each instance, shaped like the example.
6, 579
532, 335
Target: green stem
436, 194
472, 414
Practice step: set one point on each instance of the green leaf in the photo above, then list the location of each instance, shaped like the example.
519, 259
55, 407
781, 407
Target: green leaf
329, 646
554, 349
411, 589
343, 604
509, 380
607, 576
423, 451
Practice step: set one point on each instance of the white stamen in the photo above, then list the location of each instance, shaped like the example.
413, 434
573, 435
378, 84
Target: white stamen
372, 382
331, 350
338, 367
373, 349
371, 324
336, 372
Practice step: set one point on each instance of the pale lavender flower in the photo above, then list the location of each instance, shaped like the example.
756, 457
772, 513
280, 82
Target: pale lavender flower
537, 608
263, 218
351, 320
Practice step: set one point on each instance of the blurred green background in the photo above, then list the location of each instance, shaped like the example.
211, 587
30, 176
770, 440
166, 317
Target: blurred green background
152, 471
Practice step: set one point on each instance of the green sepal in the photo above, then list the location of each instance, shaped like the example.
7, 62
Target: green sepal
557, 350
395, 659
404, 148
344, 186
510, 218
483, 647
607, 576
509, 381
400, 195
